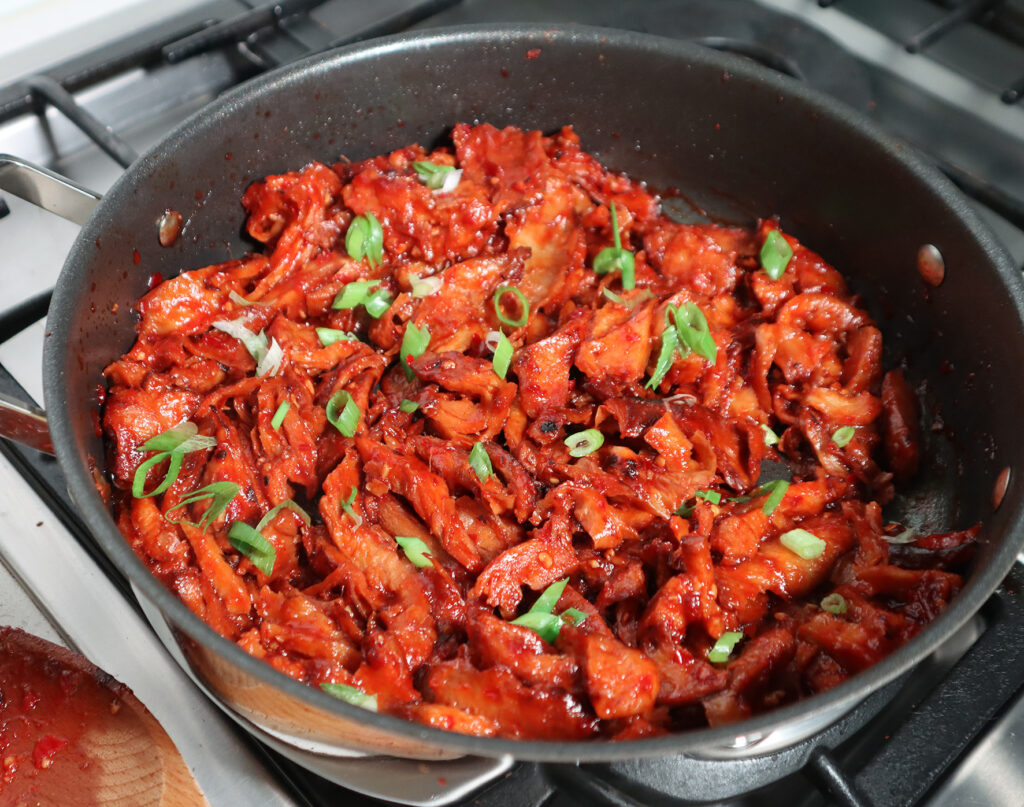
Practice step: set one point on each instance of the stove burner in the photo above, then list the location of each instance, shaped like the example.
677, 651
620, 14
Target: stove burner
775, 40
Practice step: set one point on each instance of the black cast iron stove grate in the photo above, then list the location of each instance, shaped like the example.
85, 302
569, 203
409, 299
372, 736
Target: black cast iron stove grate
901, 743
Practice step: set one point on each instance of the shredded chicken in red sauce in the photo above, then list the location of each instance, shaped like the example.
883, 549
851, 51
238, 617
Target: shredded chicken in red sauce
664, 533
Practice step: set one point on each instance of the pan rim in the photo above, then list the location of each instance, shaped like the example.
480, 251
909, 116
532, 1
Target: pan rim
843, 697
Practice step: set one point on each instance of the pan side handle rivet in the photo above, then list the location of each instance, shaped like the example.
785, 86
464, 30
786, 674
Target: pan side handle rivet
999, 491
931, 264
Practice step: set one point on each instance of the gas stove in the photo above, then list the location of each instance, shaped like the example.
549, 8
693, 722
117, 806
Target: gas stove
82, 93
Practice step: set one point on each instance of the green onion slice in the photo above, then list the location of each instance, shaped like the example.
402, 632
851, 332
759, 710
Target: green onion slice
342, 413
431, 174
172, 445
378, 303
686, 509
480, 462
415, 550
352, 695
712, 496
541, 619
502, 355
777, 490
221, 492
253, 545
256, 343
693, 330
669, 343
354, 294
775, 254
573, 615
414, 343
585, 442
278, 418
724, 646
328, 336
408, 406
350, 510
524, 304
843, 435
549, 598
770, 437
287, 504
425, 286
183, 438
611, 295
803, 543
365, 239
834, 603
611, 258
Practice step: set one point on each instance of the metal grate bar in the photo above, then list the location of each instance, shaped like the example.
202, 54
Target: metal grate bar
45, 89
958, 16
236, 29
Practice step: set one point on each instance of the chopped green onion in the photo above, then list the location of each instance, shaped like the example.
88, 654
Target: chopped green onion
574, 615
693, 330
611, 258
354, 294
777, 488
643, 296
408, 406
843, 435
414, 343
221, 492
173, 469
770, 437
686, 509
378, 303
328, 336
611, 295
183, 438
803, 543
775, 254
278, 419
268, 355
352, 695
238, 299
425, 286
669, 343
908, 536
712, 496
585, 442
350, 511
256, 344
541, 619
172, 444
272, 514
547, 626
834, 603
253, 545
724, 646
523, 302
365, 238
480, 462
342, 413
431, 174
415, 550
549, 598
502, 355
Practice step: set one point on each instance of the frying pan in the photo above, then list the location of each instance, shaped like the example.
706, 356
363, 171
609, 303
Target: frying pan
723, 139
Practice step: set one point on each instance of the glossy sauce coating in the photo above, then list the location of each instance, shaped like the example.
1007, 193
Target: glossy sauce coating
655, 589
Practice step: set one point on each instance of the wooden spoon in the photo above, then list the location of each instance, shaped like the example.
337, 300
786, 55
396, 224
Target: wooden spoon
73, 736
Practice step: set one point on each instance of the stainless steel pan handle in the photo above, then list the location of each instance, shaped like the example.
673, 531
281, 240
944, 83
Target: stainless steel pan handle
21, 421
